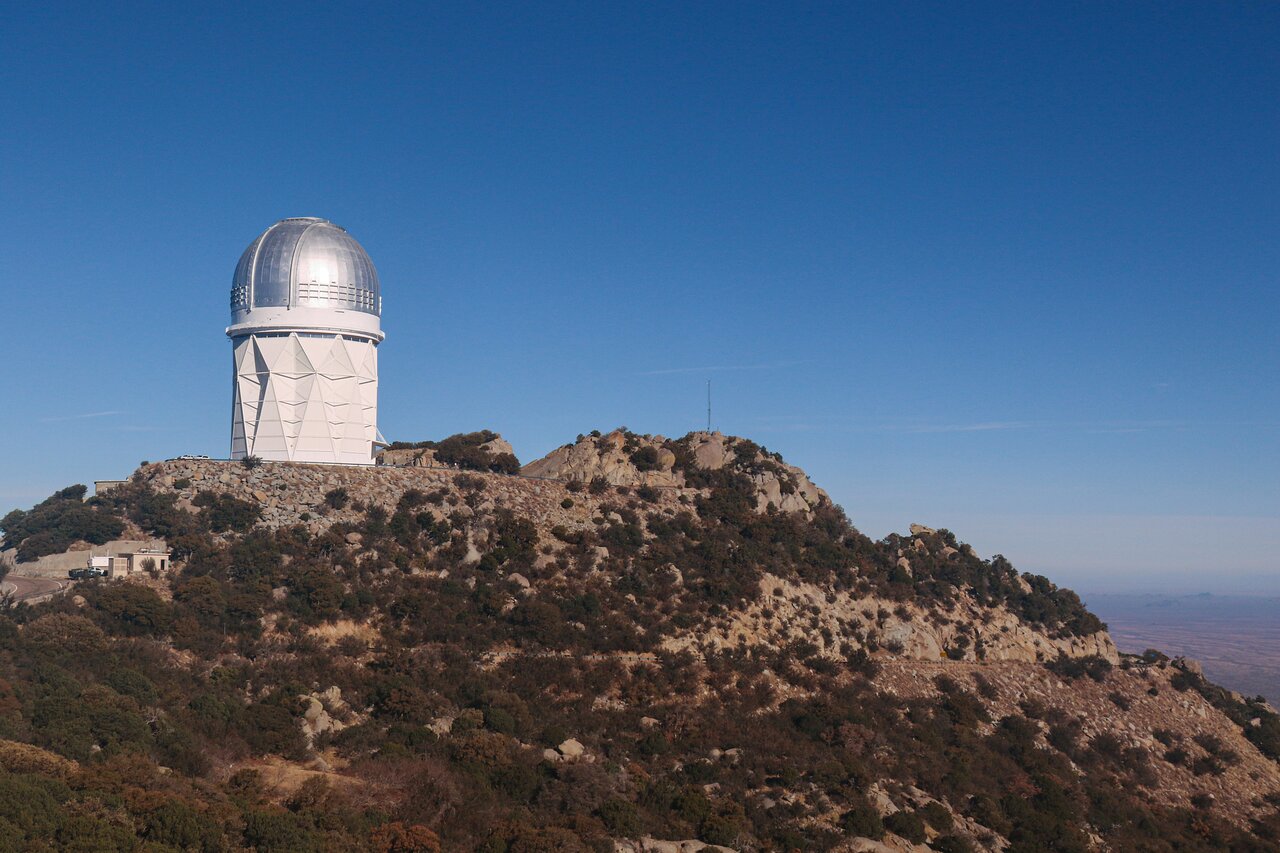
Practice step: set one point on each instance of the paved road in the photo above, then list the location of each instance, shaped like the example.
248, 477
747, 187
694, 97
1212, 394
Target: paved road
26, 589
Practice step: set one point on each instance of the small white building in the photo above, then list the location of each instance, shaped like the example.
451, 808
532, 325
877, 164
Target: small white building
125, 564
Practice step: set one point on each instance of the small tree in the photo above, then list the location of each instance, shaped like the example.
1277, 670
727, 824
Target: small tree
646, 459
251, 462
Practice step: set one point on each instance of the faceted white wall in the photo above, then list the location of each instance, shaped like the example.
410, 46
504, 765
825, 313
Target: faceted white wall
305, 398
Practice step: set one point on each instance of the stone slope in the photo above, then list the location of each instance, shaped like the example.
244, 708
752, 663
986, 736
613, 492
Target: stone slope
837, 622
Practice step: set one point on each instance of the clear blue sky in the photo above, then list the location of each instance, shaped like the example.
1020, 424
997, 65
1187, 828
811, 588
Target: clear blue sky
1009, 269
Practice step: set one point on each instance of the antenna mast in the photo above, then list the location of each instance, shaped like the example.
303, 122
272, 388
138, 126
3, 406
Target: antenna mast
708, 405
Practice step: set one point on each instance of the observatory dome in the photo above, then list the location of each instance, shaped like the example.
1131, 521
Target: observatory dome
306, 321
305, 262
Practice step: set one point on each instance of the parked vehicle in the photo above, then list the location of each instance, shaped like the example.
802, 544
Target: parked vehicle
82, 574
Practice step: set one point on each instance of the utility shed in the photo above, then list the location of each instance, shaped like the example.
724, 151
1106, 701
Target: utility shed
101, 487
124, 564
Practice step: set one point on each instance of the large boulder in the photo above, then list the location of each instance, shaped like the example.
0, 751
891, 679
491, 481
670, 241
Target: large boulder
616, 457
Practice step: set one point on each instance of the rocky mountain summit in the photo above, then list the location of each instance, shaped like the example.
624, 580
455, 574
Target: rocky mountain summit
622, 458
633, 644
780, 611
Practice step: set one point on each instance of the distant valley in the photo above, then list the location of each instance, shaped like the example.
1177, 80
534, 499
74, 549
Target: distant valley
1236, 638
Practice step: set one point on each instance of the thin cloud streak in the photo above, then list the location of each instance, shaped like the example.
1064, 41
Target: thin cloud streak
796, 423
784, 424
81, 417
1089, 427
990, 426
779, 365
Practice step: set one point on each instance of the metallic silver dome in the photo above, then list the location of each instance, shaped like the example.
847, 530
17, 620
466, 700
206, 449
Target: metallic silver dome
305, 261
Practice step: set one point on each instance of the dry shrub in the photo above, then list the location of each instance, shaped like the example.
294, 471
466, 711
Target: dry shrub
24, 758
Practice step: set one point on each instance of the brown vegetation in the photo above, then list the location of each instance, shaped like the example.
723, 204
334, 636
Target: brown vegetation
457, 661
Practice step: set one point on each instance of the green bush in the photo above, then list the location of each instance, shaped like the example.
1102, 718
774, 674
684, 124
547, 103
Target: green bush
271, 728
907, 824
862, 821
953, 844
1071, 668
54, 524
499, 720
135, 685
131, 610
222, 512
620, 817
465, 451
31, 807
279, 832
177, 824
646, 459
937, 816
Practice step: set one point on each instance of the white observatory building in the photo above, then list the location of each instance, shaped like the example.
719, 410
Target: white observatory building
305, 329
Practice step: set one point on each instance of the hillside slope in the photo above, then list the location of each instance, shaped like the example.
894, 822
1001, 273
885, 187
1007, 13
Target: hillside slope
639, 639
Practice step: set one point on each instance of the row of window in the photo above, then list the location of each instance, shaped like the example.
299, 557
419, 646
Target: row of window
318, 293
346, 294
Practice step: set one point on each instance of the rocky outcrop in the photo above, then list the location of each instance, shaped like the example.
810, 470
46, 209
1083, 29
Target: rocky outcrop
571, 749
784, 486
498, 446
840, 622
610, 458
326, 712
623, 458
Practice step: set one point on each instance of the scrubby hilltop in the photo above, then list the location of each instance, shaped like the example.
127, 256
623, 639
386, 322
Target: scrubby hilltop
636, 642
623, 458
